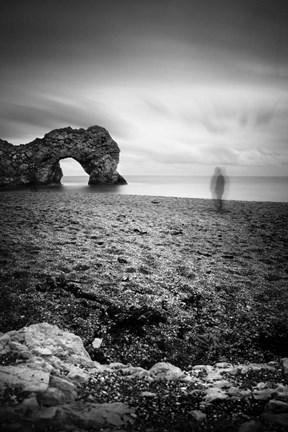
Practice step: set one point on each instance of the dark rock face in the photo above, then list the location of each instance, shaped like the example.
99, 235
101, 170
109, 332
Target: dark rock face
38, 161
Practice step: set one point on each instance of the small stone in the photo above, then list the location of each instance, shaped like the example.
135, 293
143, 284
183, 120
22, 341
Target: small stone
163, 370
52, 397
284, 362
213, 394
281, 392
78, 375
97, 343
148, 394
198, 415
222, 384
46, 414
200, 368
262, 394
245, 393
62, 384
234, 393
4, 339
276, 406
250, 426
223, 365
261, 386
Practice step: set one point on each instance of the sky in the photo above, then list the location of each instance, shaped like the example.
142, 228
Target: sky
182, 86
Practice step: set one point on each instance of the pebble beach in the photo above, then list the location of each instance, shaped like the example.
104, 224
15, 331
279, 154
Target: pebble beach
155, 279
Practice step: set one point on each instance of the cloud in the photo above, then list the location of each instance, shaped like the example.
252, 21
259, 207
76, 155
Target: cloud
42, 113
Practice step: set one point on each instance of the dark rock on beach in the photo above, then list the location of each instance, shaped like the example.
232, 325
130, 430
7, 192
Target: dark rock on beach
37, 163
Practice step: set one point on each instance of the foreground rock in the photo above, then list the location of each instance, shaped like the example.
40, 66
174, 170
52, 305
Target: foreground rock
51, 365
37, 163
43, 371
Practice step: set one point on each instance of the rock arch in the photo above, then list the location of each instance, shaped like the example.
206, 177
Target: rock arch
38, 161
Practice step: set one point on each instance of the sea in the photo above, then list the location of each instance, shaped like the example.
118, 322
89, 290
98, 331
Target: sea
262, 189
274, 189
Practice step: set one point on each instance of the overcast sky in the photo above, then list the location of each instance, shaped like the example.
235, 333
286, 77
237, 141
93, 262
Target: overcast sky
180, 85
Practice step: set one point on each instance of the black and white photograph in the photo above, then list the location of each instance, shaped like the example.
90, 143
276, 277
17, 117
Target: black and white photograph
144, 216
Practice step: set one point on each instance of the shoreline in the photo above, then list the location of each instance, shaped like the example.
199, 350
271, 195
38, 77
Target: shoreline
51, 189
259, 189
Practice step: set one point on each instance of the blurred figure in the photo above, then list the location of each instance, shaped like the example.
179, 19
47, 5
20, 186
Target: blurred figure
218, 188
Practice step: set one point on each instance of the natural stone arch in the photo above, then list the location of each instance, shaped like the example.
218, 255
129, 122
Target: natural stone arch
38, 161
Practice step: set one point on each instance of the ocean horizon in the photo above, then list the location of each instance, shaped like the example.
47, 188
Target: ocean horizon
241, 188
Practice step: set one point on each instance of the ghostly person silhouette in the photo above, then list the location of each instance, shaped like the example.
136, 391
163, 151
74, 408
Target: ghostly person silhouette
217, 188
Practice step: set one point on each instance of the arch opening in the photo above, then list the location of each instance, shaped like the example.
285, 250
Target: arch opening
72, 171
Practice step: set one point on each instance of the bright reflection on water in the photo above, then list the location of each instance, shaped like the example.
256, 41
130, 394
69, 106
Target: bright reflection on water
241, 188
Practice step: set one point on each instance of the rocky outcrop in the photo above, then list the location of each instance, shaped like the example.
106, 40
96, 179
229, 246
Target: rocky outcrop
44, 369
51, 365
37, 163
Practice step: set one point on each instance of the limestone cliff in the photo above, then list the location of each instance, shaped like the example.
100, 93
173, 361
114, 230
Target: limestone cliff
38, 161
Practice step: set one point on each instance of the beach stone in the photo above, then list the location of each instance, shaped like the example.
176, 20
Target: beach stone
62, 384
148, 394
215, 373
78, 375
250, 426
254, 367
30, 380
47, 415
53, 397
281, 392
60, 343
37, 163
213, 394
223, 365
284, 362
222, 384
263, 394
97, 342
4, 339
236, 393
277, 419
167, 371
95, 416
276, 406
30, 403
59, 365
135, 371
198, 415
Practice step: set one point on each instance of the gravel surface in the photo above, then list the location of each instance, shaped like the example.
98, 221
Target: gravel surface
157, 279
